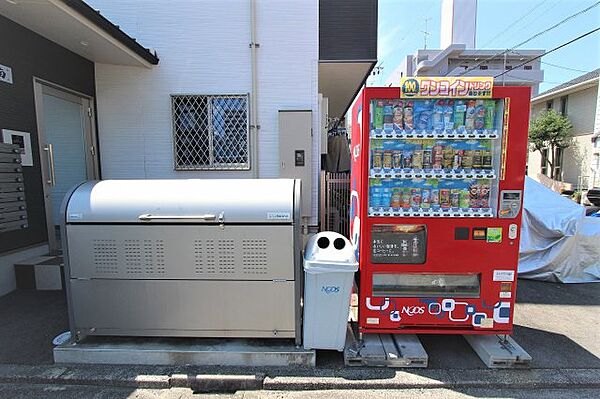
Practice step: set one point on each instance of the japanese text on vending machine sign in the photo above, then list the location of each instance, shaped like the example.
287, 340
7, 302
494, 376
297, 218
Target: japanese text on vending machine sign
451, 86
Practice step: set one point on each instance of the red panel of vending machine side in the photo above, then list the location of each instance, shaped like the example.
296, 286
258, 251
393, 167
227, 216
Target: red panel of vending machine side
437, 187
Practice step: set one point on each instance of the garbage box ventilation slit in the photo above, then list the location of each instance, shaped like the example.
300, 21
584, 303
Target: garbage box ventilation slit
189, 258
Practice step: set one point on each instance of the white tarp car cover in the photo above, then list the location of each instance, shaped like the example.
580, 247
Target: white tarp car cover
558, 242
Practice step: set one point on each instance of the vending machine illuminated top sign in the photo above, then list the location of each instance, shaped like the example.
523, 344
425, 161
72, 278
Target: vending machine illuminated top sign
450, 86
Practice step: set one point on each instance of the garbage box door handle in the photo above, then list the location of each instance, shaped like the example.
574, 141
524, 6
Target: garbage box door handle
148, 217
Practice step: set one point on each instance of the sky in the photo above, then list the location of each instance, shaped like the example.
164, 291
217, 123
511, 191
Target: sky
501, 24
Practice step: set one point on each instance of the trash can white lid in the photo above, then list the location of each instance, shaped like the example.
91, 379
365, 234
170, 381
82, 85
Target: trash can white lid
329, 252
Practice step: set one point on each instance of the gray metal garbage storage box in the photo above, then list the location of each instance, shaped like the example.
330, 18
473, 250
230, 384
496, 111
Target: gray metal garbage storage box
193, 258
329, 267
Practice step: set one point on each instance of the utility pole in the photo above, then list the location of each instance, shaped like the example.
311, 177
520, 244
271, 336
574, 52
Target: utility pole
425, 33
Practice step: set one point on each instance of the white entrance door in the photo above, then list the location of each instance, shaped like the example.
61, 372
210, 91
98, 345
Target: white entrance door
67, 148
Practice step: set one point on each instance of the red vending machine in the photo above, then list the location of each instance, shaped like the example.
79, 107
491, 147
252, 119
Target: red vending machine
437, 186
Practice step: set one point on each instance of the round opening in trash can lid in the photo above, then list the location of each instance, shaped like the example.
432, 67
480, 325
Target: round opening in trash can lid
339, 243
323, 242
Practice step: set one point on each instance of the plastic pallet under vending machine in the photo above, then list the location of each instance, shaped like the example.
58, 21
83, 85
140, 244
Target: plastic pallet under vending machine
437, 186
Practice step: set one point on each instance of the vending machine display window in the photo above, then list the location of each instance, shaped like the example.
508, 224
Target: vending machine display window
426, 285
438, 158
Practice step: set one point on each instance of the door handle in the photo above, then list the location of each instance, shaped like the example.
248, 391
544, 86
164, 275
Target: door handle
51, 172
149, 217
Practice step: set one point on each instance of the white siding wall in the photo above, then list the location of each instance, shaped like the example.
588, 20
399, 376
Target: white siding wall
203, 49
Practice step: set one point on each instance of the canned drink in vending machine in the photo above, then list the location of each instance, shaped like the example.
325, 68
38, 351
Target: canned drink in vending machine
438, 156
399, 115
386, 196
378, 115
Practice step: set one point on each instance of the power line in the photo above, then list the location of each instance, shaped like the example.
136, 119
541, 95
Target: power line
531, 38
564, 67
549, 51
515, 22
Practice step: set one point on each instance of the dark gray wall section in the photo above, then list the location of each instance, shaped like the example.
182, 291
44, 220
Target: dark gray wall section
348, 30
30, 55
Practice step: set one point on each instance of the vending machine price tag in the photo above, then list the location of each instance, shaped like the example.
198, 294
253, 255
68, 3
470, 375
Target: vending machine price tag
399, 243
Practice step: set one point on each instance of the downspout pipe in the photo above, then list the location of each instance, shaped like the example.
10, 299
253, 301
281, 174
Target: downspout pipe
254, 123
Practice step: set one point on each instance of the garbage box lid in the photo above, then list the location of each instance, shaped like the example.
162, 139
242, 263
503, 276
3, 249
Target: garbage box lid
329, 252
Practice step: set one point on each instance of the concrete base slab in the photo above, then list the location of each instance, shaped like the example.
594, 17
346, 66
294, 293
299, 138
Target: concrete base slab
200, 352
499, 351
384, 350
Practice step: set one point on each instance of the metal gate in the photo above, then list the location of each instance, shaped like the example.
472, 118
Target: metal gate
335, 202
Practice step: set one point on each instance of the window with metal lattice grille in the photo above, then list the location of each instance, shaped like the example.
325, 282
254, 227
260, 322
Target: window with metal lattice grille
210, 132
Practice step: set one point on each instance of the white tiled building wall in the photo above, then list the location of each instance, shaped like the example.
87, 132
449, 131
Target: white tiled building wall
203, 49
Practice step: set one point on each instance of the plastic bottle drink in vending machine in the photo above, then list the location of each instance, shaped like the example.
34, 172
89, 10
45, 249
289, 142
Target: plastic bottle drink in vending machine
415, 197
417, 159
388, 159
474, 196
406, 198
378, 115
407, 159
448, 113
409, 115
484, 195
490, 113
454, 197
396, 197
438, 114
427, 158
457, 162
377, 160
448, 157
486, 159
460, 108
438, 156
467, 159
388, 116
399, 115
445, 198
375, 197
435, 198
397, 159
425, 198
464, 198
479, 115
477, 159
386, 195
470, 115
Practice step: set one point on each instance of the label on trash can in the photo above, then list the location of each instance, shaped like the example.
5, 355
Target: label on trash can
330, 289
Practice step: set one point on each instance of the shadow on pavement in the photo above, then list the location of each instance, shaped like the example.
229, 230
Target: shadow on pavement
532, 291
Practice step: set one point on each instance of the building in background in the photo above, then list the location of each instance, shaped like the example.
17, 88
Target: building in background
579, 164
205, 90
460, 57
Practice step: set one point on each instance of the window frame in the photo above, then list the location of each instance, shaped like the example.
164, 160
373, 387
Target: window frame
213, 164
564, 104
